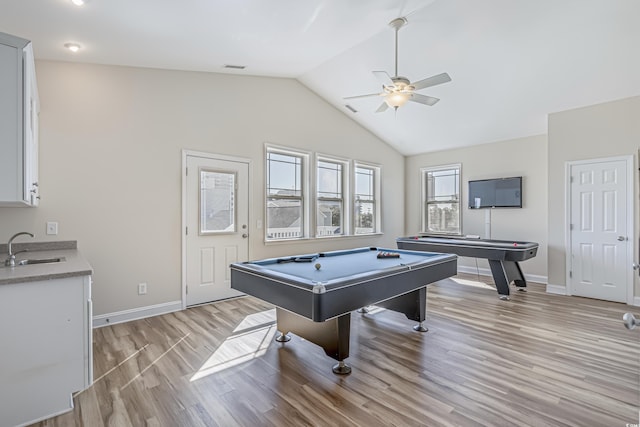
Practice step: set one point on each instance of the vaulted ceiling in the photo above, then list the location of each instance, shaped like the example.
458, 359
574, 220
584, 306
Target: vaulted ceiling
512, 62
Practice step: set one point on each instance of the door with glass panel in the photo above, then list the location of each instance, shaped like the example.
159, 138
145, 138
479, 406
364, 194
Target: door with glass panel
217, 212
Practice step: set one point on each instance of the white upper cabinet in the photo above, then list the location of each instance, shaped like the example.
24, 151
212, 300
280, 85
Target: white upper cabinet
19, 108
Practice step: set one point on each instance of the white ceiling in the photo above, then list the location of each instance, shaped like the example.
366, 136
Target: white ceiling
511, 61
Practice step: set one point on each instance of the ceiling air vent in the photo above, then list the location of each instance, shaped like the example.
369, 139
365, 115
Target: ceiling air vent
235, 67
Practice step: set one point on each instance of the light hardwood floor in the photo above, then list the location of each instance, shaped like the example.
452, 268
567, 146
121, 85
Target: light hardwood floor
537, 360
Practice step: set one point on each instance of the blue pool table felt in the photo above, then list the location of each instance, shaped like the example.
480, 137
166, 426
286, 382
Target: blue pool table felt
342, 264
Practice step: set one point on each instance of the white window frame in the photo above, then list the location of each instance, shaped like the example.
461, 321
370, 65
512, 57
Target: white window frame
425, 198
377, 179
304, 197
344, 200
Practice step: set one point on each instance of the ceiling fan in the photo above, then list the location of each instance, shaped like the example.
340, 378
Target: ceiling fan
397, 90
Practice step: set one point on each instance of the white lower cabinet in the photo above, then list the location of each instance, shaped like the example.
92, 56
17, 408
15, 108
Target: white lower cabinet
45, 347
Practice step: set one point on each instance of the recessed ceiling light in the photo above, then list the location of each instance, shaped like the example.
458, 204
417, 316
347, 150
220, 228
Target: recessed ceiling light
78, 2
73, 47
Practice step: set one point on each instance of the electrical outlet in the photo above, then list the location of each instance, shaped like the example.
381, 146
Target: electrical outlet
142, 288
52, 228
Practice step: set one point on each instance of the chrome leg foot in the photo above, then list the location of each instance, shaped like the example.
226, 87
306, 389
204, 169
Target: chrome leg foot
420, 328
283, 337
341, 368
504, 297
522, 289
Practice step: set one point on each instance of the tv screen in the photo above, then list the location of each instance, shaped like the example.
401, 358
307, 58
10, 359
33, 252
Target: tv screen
496, 193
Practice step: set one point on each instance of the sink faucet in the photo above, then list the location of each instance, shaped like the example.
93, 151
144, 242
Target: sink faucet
11, 259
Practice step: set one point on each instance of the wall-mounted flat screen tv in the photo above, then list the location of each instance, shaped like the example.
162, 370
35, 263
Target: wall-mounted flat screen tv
496, 193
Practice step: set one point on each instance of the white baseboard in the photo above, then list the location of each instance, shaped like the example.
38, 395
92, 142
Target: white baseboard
556, 289
136, 313
487, 272
562, 290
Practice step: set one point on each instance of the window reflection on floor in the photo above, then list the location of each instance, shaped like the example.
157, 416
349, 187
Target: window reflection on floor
249, 340
473, 283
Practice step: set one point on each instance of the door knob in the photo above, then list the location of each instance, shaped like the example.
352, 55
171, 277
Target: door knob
244, 235
629, 321
621, 238
635, 266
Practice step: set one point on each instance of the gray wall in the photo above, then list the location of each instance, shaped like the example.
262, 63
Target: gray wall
526, 157
598, 131
110, 160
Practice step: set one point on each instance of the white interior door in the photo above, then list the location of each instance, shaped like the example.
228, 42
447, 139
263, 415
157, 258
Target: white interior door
600, 242
217, 218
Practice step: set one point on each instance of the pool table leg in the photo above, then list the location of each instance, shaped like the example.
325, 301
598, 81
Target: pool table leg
504, 272
412, 304
332, 335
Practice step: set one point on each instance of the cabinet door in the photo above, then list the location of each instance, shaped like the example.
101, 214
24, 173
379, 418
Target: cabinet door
19, 106
45, 347
11, 108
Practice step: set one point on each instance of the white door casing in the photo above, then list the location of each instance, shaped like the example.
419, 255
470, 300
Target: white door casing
600, 229
215, 224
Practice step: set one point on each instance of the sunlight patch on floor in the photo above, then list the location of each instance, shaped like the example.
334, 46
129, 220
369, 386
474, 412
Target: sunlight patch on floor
472, 283
249, 340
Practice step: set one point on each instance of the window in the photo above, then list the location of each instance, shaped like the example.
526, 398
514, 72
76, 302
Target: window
330, 215
366, 216
217, 201
441, 199
285, 194
346, 196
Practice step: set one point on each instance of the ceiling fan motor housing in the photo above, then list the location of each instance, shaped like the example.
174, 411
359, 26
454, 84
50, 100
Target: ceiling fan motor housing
398, 23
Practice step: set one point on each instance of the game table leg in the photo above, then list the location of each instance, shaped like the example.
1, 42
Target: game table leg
412, 304
500, 278
332, 335
505, 272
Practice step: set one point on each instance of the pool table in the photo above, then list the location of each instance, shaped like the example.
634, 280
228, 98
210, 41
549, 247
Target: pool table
503, 255
314, 294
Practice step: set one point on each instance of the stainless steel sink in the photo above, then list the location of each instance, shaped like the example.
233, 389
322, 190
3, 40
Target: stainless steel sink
40, 261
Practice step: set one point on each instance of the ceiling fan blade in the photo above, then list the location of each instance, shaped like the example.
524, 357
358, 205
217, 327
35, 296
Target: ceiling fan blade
363, 96
382, 108
423, 99
432, 81
383, 77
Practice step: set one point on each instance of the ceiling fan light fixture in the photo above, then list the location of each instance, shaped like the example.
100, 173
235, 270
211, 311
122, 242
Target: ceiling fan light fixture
398, 90
397, 99
73, 47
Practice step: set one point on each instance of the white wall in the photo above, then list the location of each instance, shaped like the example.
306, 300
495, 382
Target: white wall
111, 140
599, 131
526, 157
